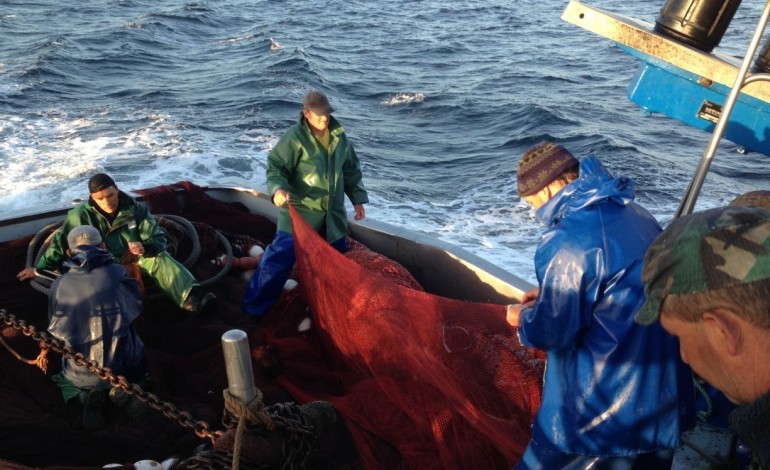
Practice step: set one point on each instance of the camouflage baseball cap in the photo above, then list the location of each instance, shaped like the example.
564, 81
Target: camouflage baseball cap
704, 251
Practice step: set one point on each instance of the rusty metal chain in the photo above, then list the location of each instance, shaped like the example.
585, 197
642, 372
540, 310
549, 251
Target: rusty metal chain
300, 439
201, 428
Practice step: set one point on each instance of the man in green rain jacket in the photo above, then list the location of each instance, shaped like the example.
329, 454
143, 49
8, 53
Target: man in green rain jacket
126, 226
312, 167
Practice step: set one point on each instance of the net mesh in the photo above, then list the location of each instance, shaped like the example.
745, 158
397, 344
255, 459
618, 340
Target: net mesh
420, 381
445, 382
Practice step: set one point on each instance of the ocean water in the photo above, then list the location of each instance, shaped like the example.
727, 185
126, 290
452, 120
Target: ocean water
440, 99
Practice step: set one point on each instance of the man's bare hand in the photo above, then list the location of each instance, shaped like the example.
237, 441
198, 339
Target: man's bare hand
512, 314
280, 198
136, 248
360, 211
26, 274
530, 295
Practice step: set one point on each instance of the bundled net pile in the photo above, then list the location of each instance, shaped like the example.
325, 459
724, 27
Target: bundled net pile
445, 381
419, 381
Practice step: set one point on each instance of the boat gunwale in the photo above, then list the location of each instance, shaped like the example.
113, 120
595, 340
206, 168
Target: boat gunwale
441, 267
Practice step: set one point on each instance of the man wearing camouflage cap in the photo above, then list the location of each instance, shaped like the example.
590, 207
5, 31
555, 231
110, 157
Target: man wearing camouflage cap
707, 277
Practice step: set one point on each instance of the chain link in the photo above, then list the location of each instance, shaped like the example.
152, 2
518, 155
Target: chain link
183, 418
299, 441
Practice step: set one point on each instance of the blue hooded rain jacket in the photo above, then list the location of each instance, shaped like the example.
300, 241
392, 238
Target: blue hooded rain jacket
91, 308
612, 387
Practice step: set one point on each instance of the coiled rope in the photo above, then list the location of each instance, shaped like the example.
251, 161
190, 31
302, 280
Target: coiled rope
252, 412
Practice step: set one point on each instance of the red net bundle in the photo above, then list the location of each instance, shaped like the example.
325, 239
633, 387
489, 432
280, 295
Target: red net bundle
444, 382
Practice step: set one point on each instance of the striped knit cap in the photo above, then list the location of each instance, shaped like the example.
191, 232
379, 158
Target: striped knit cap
541, 164
704, 251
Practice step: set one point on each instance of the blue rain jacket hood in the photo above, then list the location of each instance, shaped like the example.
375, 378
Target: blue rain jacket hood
612, 387
91, 308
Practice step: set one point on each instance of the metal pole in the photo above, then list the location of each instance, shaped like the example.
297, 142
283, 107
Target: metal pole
240, 375
688, 202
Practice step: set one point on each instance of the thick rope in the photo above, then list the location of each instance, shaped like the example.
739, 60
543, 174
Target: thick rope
40, 361
252, 412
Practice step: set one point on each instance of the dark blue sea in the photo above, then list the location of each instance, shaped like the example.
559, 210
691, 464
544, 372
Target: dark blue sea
440, 99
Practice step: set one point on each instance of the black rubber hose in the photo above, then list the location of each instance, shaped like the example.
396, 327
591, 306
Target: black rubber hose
35, 251
195, 252
228, 263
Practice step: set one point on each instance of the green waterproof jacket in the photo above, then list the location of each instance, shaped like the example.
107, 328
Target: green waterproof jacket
133, 223
316, 179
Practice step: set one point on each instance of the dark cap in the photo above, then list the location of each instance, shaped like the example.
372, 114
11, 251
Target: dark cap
317, 102
705, 251
99, 182
541, 164
83, 235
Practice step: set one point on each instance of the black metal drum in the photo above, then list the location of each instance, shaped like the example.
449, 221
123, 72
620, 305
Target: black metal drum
698, 23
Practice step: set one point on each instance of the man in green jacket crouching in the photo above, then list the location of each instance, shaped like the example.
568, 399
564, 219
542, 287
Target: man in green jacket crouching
126, 226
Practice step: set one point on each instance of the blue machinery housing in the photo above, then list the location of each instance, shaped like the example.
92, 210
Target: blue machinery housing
683, 82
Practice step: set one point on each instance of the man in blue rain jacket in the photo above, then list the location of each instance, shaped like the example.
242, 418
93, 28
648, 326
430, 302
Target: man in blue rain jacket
615, 394
91, 309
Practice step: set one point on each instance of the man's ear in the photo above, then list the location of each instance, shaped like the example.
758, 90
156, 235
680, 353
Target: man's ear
69, 252
725, 328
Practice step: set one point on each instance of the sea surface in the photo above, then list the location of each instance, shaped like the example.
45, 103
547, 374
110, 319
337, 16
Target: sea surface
439, 98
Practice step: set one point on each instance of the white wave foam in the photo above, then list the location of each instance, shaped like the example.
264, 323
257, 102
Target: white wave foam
403, 98
48, 159
275, 45
236, 39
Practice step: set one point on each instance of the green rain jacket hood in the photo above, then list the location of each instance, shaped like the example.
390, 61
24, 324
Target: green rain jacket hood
317, 180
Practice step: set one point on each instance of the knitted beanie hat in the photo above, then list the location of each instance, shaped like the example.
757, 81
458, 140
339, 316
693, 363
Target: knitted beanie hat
541, 164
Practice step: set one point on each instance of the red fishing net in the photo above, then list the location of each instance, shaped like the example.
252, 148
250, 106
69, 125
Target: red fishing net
445, 382
420, 381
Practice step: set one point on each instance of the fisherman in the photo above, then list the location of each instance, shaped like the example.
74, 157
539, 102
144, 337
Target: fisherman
707, 277
129, 232
91, 308
313, 167
615, 393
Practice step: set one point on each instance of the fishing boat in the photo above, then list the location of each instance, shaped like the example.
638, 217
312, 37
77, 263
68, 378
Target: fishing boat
420, 357
395, 355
